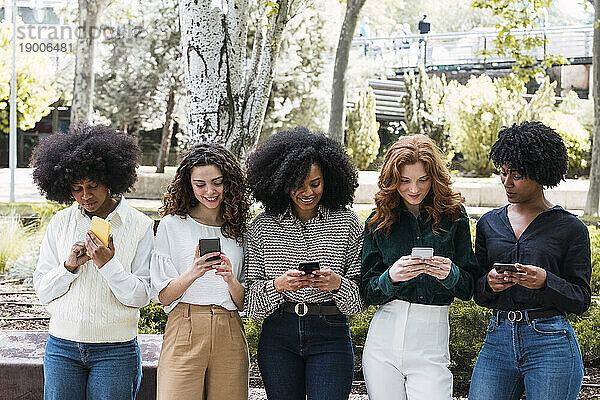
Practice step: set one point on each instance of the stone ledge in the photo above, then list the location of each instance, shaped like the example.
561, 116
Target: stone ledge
22, 356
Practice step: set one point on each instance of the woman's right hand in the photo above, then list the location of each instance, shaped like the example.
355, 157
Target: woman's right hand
201, 266
77, 257
291, 280
498, 281
405, 269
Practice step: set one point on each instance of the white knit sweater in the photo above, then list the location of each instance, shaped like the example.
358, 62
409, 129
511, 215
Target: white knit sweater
89, 311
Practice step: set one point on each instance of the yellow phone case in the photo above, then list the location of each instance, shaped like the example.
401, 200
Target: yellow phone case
101, 229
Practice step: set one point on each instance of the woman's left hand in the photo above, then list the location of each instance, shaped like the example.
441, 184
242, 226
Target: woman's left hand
438, 267
529, 276
325, 279
225, 269
98, 252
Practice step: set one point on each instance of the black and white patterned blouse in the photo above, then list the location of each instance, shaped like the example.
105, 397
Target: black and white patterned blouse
277, 243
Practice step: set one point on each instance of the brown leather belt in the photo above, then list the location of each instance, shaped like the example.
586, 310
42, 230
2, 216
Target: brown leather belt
302, 309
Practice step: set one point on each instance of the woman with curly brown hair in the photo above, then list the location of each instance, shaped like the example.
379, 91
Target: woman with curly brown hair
406, 353
204, 352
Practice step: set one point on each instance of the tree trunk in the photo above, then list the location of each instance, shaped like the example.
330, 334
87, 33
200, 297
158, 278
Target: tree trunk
338, 90
167, 133
226, 104
591, 203
83, 85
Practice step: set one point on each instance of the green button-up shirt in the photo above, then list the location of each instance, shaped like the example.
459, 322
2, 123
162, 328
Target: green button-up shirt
381, 250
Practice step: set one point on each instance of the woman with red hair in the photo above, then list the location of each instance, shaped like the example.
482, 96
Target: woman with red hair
406, 353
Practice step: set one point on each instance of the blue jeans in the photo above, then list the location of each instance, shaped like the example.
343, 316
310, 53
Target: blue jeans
306, 356
541, 357
91, 371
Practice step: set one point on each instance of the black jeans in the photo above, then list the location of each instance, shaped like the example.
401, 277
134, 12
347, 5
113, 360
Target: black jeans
306, 356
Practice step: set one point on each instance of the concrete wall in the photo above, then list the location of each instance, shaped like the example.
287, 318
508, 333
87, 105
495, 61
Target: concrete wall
478, 192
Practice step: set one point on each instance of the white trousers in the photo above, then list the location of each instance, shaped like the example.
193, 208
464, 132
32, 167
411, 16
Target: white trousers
406, 354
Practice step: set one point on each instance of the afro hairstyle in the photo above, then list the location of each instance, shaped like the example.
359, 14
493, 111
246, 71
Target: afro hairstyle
532, 149
282, 163
98, 153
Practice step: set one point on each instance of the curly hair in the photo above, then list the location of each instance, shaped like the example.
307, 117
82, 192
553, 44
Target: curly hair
282, 163
440, 200
179, 199
95, 152
532, 149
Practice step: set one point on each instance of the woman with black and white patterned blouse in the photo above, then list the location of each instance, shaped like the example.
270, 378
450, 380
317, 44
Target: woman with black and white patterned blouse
305, 182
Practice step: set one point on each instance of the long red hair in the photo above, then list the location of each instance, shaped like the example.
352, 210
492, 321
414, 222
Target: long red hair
440, 200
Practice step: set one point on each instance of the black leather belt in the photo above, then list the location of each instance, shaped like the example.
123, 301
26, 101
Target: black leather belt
302, 309
526, 315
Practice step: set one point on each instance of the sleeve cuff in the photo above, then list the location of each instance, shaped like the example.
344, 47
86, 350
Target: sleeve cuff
70, 274
111, 268
386, 285
450, 281
553, 282
274, 296
481, 288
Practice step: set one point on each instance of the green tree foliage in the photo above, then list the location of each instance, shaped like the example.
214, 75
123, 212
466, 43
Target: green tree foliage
424, 108
520, 15
362, 130
300, 93
142, 67
36, 91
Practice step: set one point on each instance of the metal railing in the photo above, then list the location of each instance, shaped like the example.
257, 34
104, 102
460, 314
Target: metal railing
571, 42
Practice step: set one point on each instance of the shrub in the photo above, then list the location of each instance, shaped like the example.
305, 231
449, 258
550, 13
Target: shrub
595, 248
476, 112
14, 238
362, 130
424, 108
576, 138
153, 319
252, 329
587, 327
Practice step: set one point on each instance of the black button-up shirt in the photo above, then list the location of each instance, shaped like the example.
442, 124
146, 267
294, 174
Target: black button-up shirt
555, 240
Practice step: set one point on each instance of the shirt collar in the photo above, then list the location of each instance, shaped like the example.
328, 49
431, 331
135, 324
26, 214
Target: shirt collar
118, 215
322, 214
502, 210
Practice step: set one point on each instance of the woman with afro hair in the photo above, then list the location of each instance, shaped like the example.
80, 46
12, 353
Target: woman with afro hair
303, 265
93, 291
406, 354
204, 353
545, 274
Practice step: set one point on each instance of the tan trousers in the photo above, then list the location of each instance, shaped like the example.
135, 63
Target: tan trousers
204, 355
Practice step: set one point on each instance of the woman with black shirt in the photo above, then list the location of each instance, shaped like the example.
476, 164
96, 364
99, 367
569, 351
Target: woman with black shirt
530, 345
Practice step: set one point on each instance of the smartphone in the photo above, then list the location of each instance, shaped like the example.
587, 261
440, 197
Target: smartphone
210, 245
424, 253
101, 228
501, 267
309, 266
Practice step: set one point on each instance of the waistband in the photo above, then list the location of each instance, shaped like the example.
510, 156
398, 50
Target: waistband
526, 315
187, 309
302, 309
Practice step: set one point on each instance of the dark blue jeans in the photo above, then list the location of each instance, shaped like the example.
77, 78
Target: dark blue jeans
306, 356
540, 357
91, 371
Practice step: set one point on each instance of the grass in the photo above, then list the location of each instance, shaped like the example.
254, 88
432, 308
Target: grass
14, 238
